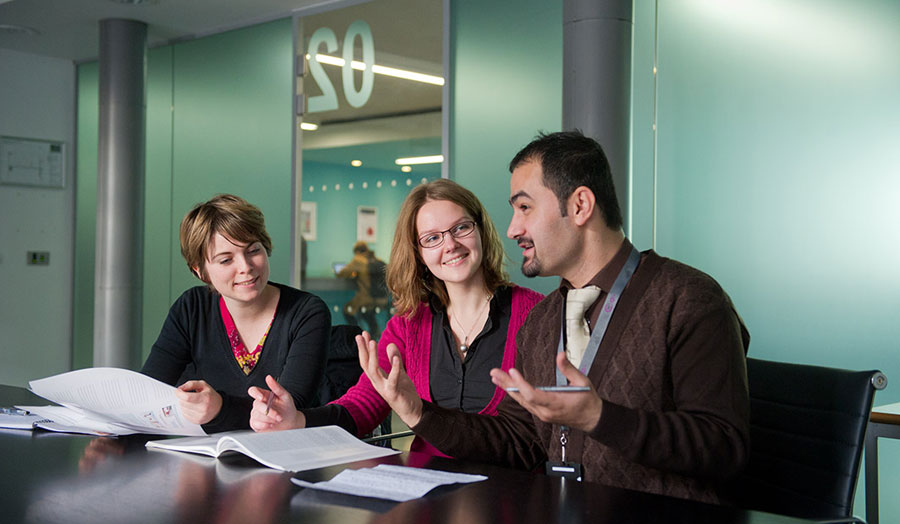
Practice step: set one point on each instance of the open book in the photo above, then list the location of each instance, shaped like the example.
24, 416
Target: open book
291, 450
109, 401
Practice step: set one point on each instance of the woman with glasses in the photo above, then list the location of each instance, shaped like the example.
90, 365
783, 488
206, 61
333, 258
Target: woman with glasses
457, 316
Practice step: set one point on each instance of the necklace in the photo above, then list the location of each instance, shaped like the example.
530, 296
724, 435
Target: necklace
464, 347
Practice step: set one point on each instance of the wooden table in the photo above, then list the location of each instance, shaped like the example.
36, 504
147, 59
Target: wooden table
883, 423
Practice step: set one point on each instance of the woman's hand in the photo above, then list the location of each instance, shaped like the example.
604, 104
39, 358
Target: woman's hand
276, 415
395, 388
200, 403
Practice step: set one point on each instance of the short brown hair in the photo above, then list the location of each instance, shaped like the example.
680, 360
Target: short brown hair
230, 215
407, 276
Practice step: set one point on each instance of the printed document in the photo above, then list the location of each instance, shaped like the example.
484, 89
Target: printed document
385, 481
110, 401
290, 450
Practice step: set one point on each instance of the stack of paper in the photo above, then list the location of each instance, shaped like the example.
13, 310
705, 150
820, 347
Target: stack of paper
110, 401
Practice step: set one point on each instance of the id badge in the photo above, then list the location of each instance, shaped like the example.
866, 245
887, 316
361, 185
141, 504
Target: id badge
568, 470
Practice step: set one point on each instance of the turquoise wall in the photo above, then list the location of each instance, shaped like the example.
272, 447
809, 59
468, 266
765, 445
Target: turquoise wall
778, 147
505, 86
218, 121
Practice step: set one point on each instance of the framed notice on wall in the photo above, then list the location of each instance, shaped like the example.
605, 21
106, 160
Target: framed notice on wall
30, 162
367, 224
308, 220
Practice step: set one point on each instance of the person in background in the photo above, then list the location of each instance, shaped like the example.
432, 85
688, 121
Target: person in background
221, 338
457, 316
363, 302
665, 407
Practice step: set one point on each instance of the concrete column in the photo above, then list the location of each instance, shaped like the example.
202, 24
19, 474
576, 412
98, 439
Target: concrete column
119, 270
597, 82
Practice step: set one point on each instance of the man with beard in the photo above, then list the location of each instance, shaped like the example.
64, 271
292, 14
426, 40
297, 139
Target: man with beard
646, 355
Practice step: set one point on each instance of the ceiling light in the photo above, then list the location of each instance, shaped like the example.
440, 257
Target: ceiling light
381, 70
432, 159
356, 163
308, 126
406, 169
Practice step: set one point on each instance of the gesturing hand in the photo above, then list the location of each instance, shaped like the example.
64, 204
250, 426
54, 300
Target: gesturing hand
280, 414
395, 388
578, 410
200, 403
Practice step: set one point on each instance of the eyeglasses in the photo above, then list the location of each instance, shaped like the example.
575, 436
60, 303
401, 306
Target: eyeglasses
435, 239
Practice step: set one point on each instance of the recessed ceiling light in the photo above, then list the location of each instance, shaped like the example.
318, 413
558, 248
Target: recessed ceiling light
356, 163
406, 169
19, 30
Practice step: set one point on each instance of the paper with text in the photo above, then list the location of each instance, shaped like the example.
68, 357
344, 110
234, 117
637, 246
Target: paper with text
112, 400
290, 450
399, 483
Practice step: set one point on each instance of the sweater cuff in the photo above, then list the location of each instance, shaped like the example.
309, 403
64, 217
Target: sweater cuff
616, 426
229, 416
330, 414
430, 419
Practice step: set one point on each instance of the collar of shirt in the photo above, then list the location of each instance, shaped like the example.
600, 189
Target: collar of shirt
604, 279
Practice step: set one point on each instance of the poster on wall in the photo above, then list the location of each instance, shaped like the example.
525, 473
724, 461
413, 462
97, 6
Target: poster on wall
308, 220
366, 224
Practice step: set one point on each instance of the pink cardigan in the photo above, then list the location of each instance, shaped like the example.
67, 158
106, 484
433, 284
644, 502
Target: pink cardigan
413, 338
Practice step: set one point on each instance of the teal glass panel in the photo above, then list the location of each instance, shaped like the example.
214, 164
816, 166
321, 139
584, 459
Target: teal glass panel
778, 147
506, 67
86, 124
232, 132
371, 119
159, 252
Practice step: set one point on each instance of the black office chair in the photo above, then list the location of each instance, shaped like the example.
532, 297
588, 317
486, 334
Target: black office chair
807, 429
342, 369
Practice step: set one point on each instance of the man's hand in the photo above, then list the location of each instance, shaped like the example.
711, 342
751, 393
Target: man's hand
276, 415
200, 403
580, 410
395, 388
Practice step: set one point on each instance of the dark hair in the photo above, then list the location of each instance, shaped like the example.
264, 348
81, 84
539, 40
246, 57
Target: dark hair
568, 160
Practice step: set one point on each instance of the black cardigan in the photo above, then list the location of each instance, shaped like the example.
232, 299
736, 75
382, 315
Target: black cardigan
193, 345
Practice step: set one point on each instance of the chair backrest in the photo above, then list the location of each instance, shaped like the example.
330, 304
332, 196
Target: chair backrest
342, 367
807, 428
342, 371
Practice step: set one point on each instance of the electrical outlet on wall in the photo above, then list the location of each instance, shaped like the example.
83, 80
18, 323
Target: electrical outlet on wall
38, 258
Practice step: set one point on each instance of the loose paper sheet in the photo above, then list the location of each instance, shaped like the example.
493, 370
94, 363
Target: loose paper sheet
399, 483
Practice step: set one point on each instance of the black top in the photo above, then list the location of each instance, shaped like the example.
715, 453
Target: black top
454, 384
193, 345
466, 385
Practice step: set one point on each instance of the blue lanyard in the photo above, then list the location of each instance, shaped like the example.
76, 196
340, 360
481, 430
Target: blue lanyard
609, 306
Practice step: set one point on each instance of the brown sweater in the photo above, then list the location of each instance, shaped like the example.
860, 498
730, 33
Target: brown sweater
671, 371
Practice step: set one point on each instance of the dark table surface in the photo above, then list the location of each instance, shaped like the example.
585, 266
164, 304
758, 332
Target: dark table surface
53, 477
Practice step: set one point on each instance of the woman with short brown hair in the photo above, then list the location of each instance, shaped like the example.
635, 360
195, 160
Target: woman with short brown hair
222, 338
